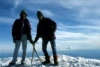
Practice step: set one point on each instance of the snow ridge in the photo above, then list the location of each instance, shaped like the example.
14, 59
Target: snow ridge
64, 61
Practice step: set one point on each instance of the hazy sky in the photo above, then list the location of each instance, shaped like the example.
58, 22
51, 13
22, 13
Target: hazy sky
78, 22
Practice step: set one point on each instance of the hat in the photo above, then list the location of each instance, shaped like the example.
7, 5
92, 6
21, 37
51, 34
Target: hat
39, 13
23, 11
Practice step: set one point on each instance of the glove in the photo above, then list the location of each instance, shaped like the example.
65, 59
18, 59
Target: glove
33, 43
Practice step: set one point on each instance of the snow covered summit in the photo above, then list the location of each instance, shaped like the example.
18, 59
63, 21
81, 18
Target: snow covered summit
64, 61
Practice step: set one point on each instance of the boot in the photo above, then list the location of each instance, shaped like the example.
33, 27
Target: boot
56, 63
11, 63
47, 61
22, 63
55, 60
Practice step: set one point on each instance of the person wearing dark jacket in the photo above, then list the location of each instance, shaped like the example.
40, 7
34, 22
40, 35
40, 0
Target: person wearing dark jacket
21, 32
46, 30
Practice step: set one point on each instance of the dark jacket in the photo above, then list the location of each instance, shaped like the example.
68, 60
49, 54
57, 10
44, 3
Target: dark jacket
46, 29
18, 31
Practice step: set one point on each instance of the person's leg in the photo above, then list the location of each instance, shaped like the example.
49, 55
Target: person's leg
24, 47
53, 45
44, 49
17, 45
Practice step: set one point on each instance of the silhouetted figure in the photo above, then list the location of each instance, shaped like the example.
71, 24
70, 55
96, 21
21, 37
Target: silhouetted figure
46, 30
21, 32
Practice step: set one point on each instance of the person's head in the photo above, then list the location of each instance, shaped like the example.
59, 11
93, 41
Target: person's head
23, 14
40, 15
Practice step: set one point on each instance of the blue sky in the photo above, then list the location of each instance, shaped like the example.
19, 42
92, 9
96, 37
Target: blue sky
78, 22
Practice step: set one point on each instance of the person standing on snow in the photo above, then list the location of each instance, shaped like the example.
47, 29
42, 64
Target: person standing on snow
21, 32
46, 30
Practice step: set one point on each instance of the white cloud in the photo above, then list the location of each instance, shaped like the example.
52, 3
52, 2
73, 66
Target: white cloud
65, 34
16, 3
87, 10
79, 3
33, 20
84, 12
91, 21
96, 27
86, 36
47, 13
6, 20
40, 2
4, 47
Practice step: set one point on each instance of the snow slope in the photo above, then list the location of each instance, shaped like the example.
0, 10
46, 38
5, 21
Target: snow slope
64, 61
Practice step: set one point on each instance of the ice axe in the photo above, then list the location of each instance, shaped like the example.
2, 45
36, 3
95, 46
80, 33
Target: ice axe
34, 50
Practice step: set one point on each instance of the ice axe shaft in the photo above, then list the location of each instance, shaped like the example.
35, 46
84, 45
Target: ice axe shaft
34, 50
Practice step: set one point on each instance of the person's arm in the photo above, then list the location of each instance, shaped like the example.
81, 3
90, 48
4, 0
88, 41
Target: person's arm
38, 34
29, 32
36, 39
14, 30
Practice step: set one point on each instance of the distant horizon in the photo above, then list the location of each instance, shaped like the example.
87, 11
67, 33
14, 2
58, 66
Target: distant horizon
94, 54
20, 50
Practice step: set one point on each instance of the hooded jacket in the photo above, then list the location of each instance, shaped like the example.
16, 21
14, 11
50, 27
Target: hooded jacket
46, 29
18, 29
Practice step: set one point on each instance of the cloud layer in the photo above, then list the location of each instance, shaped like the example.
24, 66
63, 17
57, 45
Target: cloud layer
77, 20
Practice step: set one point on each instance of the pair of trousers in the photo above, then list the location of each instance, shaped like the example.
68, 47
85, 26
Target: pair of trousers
53, 46
17, 46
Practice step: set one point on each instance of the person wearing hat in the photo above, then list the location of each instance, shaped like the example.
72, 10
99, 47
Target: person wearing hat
21, 32
46, 30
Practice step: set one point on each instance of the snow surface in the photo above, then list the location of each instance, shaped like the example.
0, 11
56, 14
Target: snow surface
64, 61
